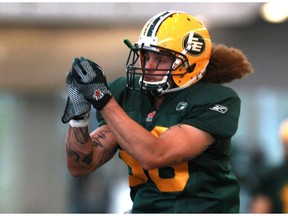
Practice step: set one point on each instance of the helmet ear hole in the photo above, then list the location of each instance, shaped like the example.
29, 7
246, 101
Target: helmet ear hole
185, 66
191, 68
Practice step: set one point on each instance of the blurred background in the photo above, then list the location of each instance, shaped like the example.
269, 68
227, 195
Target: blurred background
38, 42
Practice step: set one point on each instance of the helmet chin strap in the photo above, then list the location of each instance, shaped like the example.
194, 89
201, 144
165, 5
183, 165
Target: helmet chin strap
155, 88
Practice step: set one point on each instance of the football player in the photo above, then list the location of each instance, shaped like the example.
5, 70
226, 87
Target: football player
271, 194
170, 118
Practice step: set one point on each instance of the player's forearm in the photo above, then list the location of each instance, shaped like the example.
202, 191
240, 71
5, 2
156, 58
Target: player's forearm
79, 151
131, 136
86, 152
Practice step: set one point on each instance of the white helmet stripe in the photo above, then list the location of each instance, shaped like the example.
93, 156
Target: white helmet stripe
155, 22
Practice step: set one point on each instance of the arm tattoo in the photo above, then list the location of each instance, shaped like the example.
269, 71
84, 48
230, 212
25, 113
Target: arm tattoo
73, 154
88, 158
76, 145
81, 134
185, 159
78, 150
106, 156
101, 136
173, 163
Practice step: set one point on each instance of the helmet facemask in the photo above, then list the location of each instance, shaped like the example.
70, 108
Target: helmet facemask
154, 80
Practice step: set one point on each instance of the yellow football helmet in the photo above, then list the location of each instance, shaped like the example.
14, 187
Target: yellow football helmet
175, 34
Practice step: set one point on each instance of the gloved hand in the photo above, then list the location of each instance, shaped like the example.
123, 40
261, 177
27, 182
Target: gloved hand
77, 107
91, 82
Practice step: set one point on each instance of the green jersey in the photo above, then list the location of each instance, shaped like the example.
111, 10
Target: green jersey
203, 184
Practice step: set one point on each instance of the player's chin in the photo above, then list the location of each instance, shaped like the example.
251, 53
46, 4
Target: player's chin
153, 79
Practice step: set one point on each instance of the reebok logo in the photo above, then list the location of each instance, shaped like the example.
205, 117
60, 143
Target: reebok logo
219, 108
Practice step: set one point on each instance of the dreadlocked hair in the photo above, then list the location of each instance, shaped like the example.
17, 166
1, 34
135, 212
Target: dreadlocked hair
226, 64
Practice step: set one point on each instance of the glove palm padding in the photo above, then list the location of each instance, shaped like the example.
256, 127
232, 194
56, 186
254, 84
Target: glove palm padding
91, 82
77, 107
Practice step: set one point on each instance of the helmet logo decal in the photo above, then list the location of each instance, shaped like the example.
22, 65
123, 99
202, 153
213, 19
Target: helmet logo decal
194, 44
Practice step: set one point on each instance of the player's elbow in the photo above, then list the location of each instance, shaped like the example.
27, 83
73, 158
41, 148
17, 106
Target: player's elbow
146, 166
149, 163
75, 172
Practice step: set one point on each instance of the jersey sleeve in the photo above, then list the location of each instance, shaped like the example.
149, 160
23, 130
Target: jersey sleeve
217, 112
117, 87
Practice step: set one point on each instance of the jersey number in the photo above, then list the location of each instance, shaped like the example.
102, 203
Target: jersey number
173, 184
138, 176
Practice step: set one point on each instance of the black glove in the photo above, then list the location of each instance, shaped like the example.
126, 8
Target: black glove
91, 82
77, 107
